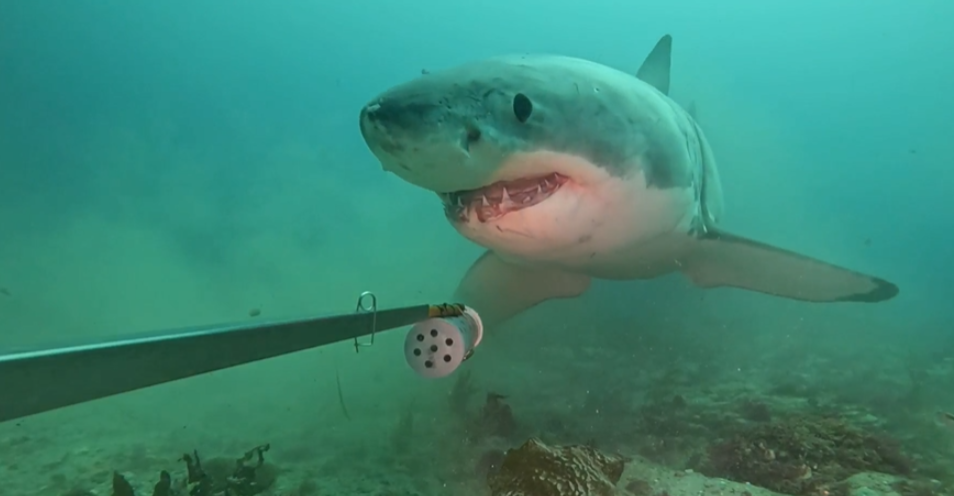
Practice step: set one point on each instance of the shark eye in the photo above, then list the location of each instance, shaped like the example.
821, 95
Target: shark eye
522, 107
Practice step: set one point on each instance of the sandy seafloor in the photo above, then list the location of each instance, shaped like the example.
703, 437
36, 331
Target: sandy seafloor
662, 406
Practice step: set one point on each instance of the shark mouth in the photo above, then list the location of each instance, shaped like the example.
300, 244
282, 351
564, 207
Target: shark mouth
500, 198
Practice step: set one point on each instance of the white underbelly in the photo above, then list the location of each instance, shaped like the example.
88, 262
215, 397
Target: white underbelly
611, 229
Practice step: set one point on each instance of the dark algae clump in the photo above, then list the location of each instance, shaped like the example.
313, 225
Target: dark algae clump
804, 455
245, 476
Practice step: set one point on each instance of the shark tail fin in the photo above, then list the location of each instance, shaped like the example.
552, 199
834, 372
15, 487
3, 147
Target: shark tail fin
722, 259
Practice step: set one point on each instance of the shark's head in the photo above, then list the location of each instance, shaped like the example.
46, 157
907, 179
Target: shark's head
527, 153
457, 131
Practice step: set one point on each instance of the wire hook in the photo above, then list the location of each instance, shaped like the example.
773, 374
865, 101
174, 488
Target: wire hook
363, 307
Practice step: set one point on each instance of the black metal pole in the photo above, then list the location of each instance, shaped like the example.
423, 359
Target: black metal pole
37, 381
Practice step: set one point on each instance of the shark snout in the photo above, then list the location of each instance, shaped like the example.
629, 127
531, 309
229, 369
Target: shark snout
379, 127
370, 129
387, 128
373, 113
390, 123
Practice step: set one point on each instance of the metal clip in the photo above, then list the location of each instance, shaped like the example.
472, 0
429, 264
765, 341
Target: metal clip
362, 307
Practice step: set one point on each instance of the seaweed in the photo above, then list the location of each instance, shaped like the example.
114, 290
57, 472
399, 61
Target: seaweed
341, 400
459, 397
496, 418
244, 478
244, 481
804, 455
199, 483
164, 486
121, 486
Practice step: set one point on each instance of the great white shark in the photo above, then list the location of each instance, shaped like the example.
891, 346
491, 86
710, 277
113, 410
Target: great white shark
567, 170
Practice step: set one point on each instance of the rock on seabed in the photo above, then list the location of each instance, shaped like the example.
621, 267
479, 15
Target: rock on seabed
535, 469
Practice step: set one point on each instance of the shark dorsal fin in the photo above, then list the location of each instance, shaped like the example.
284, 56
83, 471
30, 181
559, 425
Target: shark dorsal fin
655, 69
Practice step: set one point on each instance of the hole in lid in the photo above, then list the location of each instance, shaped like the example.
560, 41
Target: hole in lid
449, 342
447, 358
434, 333
428, 364
417, 352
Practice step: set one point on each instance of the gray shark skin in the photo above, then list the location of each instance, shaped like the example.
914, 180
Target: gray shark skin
566, 170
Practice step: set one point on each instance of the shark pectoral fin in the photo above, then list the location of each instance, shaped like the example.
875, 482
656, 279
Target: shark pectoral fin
498, 290
722, 259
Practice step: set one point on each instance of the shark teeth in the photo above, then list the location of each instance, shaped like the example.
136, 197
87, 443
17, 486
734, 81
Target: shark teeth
500, 198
